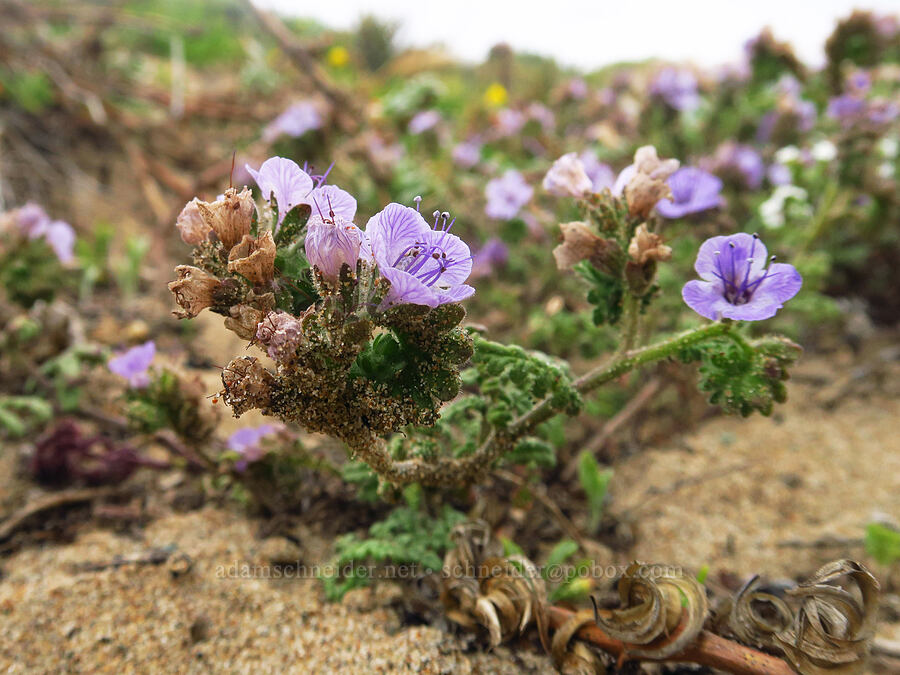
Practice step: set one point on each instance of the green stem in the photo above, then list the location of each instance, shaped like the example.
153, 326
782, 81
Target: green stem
631, 321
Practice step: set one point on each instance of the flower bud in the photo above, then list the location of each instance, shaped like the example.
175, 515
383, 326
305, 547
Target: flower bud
332, 243
567, 177
254, 258
190, 224
230, 217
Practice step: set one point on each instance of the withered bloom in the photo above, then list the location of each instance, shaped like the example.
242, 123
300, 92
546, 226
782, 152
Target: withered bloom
580, 242
194, 290
248, 385
244, 321
254, 258
645, 181
646, 245
281, 334
230, 217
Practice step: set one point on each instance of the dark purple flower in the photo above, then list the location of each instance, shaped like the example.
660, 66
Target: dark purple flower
245, 442
737, 283
285, 181
493, 254
507, 195
693, 190
295, 121
425, 265
423, 121
133, 364
677, 87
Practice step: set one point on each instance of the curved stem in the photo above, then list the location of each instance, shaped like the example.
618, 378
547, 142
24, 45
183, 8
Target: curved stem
450, 471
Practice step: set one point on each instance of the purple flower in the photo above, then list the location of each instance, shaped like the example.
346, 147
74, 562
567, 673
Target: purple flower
333, 242
742, 159
493, 254
468, 153
845, 107
425, 265
693, 190
285, 181
507, 195
423, 121
737, 284
295, 121
577, 88
779, 174
542, 115
245, 442
509, 122
602, 175
133, 364
330, 199
34, 223
677, 87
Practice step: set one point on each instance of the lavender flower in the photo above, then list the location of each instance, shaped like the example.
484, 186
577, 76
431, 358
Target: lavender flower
543, 116
331, 199
507, 195
577, 88
295, 121
737, 284
779, 174
332, 242
426, 266
677, 87
743, 160
285, 181
423, 121
509, 122
567, 177
468, 153
133, 364
245, 442
493, 254
602, 175
693, 190
34, 223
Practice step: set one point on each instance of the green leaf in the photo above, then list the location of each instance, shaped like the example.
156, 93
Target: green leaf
883, 543
595, 484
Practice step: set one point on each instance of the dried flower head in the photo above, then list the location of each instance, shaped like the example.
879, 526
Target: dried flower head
248, 385
244, 320
194, 290
580, 242
567, 177
254, 258
190, 224
644, 181
230, 217
646, 245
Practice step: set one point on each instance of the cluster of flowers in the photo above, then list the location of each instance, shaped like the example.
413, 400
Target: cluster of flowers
739, 281
32, 222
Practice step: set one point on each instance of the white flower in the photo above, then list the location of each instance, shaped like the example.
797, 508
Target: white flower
889, 147
788, 155
567, 177
886, 170
772, 210
824, 151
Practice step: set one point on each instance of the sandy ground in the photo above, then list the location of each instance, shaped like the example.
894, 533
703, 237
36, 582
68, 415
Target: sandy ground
740, 496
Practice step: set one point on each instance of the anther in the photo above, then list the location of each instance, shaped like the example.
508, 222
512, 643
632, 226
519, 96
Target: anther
418, 200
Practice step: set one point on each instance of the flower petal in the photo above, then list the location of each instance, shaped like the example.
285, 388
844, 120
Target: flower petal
405, 288
332, 198
705, 298
282, 178
392, 231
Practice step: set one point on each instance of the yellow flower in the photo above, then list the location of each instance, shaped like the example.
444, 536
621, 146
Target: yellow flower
338, 56
495, 95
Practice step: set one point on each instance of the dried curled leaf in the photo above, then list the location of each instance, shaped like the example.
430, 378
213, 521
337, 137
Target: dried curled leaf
662, 611
833, 628
574, 657
482, 588
756, 616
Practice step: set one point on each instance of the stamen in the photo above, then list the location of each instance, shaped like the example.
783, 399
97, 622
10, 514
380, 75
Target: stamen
418, 200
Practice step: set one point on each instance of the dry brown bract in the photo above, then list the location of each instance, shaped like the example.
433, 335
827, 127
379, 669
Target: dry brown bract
230, 217
248, 384
580, 242
648, 185
254, 258
194, 290
646, 245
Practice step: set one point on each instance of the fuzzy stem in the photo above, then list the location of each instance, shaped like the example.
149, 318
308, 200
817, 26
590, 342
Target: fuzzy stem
449, 471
